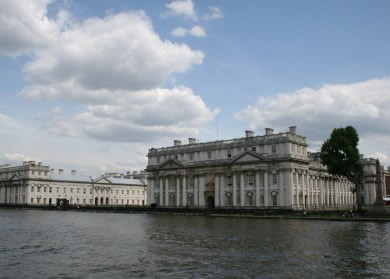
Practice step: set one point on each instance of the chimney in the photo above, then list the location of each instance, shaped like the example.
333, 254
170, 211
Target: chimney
129, 173
135, 172
249, 133
40, 164
52, 171
73, 172
177, 142
293, 130
269, 131
60, 171
191, 141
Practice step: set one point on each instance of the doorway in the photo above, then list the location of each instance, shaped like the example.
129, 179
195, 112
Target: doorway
210, 202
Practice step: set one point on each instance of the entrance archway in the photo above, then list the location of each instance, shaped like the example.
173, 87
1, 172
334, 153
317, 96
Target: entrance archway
96, 201
210, 202
107, 201
101, 201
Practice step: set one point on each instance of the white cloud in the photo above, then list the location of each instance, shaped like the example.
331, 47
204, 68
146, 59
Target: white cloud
16, 158
213, 13
197, 31
139, 117
119, 51
185, 8
364, 105
384, 159
24, 26
113, 68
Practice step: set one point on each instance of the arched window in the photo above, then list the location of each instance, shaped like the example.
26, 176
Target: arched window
190, 199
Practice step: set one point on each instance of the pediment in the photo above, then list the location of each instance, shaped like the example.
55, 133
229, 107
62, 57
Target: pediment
248, 157
103, 179
16, 177
171, 163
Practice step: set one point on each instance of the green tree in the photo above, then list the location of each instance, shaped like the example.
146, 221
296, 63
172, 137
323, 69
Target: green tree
341, 156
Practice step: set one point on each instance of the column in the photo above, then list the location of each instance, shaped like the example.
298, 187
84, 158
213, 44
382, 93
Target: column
242, 183
152, 198
201, 190
184, 191
178, 191
222, 190
289, 188
216, 189
161, 190
234, 189
196, 191
167, 191
257, 177
296, 189
281, 189
149, 188
266, 194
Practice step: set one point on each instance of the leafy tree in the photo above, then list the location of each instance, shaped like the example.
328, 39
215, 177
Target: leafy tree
342, 157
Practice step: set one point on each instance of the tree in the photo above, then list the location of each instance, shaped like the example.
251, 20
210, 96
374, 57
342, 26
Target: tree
342, 157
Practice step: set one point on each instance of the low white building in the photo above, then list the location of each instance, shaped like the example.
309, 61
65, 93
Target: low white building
271, 170
35, 184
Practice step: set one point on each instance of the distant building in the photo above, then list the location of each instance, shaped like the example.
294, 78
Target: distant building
268, 171
35, 184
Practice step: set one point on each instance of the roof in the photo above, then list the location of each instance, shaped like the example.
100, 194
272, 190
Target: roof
70, 177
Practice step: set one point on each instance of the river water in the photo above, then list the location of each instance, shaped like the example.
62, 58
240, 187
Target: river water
62, 244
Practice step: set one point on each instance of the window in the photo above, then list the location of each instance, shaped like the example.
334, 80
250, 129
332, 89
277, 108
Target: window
230, 181
84, 190
251, 179
274, 179
254, 148
273, 149
137, 192
158, 159
32, 188
64, 190
294, 178
78, 200
49, 189
132, 192
78, 190
229, 153
122, 201
32, 200
209, 155
58, 189
71, 190
39, 189
44, 189
84, 200
128, 191
274, 200
245, 148
117, 192
123, 192
90, 201
191, 156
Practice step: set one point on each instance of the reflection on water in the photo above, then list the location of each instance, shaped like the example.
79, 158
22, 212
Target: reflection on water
45, 244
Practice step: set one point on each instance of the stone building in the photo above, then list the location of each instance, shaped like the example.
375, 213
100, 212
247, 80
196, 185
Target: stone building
272, 170
36, 184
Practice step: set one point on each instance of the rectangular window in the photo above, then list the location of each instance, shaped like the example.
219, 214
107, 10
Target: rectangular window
251, 179
274, 179
273, 149
294, 178
64, 190
230, 181
158, 159
90, 201
84, 190
123, 192
122, 201
254, 148
78, 190
39, 189
128, 191
32, 200
83, 201
71, 190
137, 192
229, 153
49, 189
209, 155
32, 188
117, 192
58, 189
44, 189
191, 156
132, 192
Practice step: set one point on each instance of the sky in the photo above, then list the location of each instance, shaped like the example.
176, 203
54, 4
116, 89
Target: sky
93, 85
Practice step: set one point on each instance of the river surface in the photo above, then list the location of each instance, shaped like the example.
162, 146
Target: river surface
58, 244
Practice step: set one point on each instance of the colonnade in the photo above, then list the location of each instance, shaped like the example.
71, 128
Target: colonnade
13, 194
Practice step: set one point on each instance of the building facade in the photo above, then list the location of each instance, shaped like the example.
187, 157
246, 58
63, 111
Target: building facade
268, 171
35, 184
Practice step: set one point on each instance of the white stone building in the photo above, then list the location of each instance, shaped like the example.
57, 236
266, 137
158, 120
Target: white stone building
35, 184
272, 170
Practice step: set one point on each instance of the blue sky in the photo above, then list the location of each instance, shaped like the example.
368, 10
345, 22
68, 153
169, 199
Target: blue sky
93, 84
